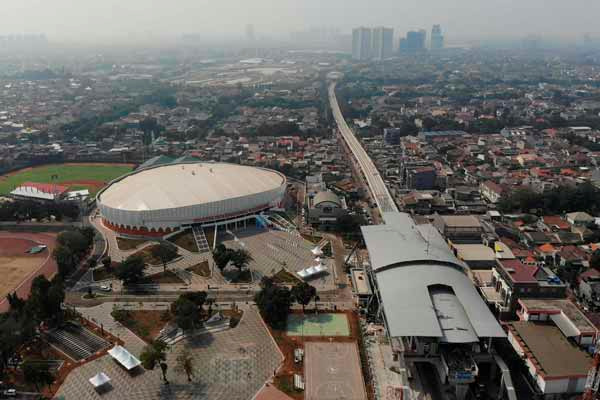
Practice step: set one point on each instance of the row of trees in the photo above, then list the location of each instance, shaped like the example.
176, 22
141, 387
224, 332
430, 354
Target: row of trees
562, 199
274, 301
20, 210
131, 270
72, 247
18, 327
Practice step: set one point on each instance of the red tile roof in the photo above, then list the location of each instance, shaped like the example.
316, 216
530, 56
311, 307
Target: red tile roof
519, 272
555, 220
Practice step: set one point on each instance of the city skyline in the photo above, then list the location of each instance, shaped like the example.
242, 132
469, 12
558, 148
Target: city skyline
132, 21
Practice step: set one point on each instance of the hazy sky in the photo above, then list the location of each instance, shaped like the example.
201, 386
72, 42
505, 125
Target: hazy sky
78, 20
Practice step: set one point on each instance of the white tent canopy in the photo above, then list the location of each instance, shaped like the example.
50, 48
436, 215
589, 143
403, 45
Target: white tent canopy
125, 358
99, 379
312, 271
317, 251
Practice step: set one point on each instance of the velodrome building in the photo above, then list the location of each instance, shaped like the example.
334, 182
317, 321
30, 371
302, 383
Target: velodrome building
161, 199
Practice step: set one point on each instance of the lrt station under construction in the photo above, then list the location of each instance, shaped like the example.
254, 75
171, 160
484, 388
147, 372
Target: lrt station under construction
433, 315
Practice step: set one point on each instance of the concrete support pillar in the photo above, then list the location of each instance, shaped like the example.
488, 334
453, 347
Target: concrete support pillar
215, 236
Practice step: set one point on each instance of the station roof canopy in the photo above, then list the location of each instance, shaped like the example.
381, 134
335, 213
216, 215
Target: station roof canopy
401, 241
424, 289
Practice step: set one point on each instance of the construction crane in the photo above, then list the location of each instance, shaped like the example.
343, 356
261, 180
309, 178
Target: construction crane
593, 379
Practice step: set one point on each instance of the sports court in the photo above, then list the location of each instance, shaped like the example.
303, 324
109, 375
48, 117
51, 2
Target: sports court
18, 267
328, 324
332, 371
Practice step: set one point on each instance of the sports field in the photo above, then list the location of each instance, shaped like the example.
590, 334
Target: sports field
318, 325
91, 176
332, 371
18, 268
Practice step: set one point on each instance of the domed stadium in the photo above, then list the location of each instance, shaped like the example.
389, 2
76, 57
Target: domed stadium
158, 200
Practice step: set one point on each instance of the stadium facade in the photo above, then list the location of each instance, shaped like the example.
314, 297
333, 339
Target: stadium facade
159, 200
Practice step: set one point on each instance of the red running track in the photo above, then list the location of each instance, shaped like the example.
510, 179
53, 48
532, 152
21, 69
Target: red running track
47, 267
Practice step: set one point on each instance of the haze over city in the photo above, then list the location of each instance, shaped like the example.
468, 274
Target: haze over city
300, 200
157, 21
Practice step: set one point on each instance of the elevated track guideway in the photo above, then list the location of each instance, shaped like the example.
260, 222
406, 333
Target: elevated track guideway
379, 190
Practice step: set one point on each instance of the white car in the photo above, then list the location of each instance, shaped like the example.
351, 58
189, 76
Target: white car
105, 288
10, 393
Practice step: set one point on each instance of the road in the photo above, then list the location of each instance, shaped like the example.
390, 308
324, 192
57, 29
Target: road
379, 191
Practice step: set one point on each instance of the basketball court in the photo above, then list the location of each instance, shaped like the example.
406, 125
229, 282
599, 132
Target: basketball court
332, 371
326, 324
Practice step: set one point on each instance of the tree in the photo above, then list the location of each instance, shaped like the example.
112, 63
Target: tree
185, 363
37, 374
165, 252
241, 258
198, 298
185, 312
131, 270
66, 259
595, 260
45, 300
106, 262
222, 255
274, 303
303, 293
75, 240
155, 354
185, 308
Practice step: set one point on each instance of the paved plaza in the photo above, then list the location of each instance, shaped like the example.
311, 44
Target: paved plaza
273, 250
233, 364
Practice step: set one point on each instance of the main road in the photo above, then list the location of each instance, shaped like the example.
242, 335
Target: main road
377, 187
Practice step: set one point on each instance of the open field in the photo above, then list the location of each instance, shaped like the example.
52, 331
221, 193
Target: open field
18, 268
332, 371
92, 176
328, 324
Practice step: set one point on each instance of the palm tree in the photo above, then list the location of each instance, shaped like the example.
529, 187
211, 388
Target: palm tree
155, 354
185, 363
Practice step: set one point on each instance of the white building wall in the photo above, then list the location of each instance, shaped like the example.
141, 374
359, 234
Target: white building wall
175, 217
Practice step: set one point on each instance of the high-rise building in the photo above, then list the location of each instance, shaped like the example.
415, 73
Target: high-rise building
361, 43
414, 42
383, 43
437, 39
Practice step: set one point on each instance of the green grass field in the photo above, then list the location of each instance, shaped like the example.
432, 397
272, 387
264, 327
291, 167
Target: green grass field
318, 325
76, 176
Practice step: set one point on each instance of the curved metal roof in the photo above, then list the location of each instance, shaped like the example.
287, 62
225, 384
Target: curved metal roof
180, 185
323, 197
424, 288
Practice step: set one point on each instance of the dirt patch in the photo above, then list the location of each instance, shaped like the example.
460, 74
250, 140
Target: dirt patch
126, 244
201, 269
146, 254
92, 185
185, 240
144, 323
167, 277
16, 264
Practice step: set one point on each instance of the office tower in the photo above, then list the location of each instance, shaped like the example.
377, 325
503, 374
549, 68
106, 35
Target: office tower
382, 45
414, 42
437, 39
361, 43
